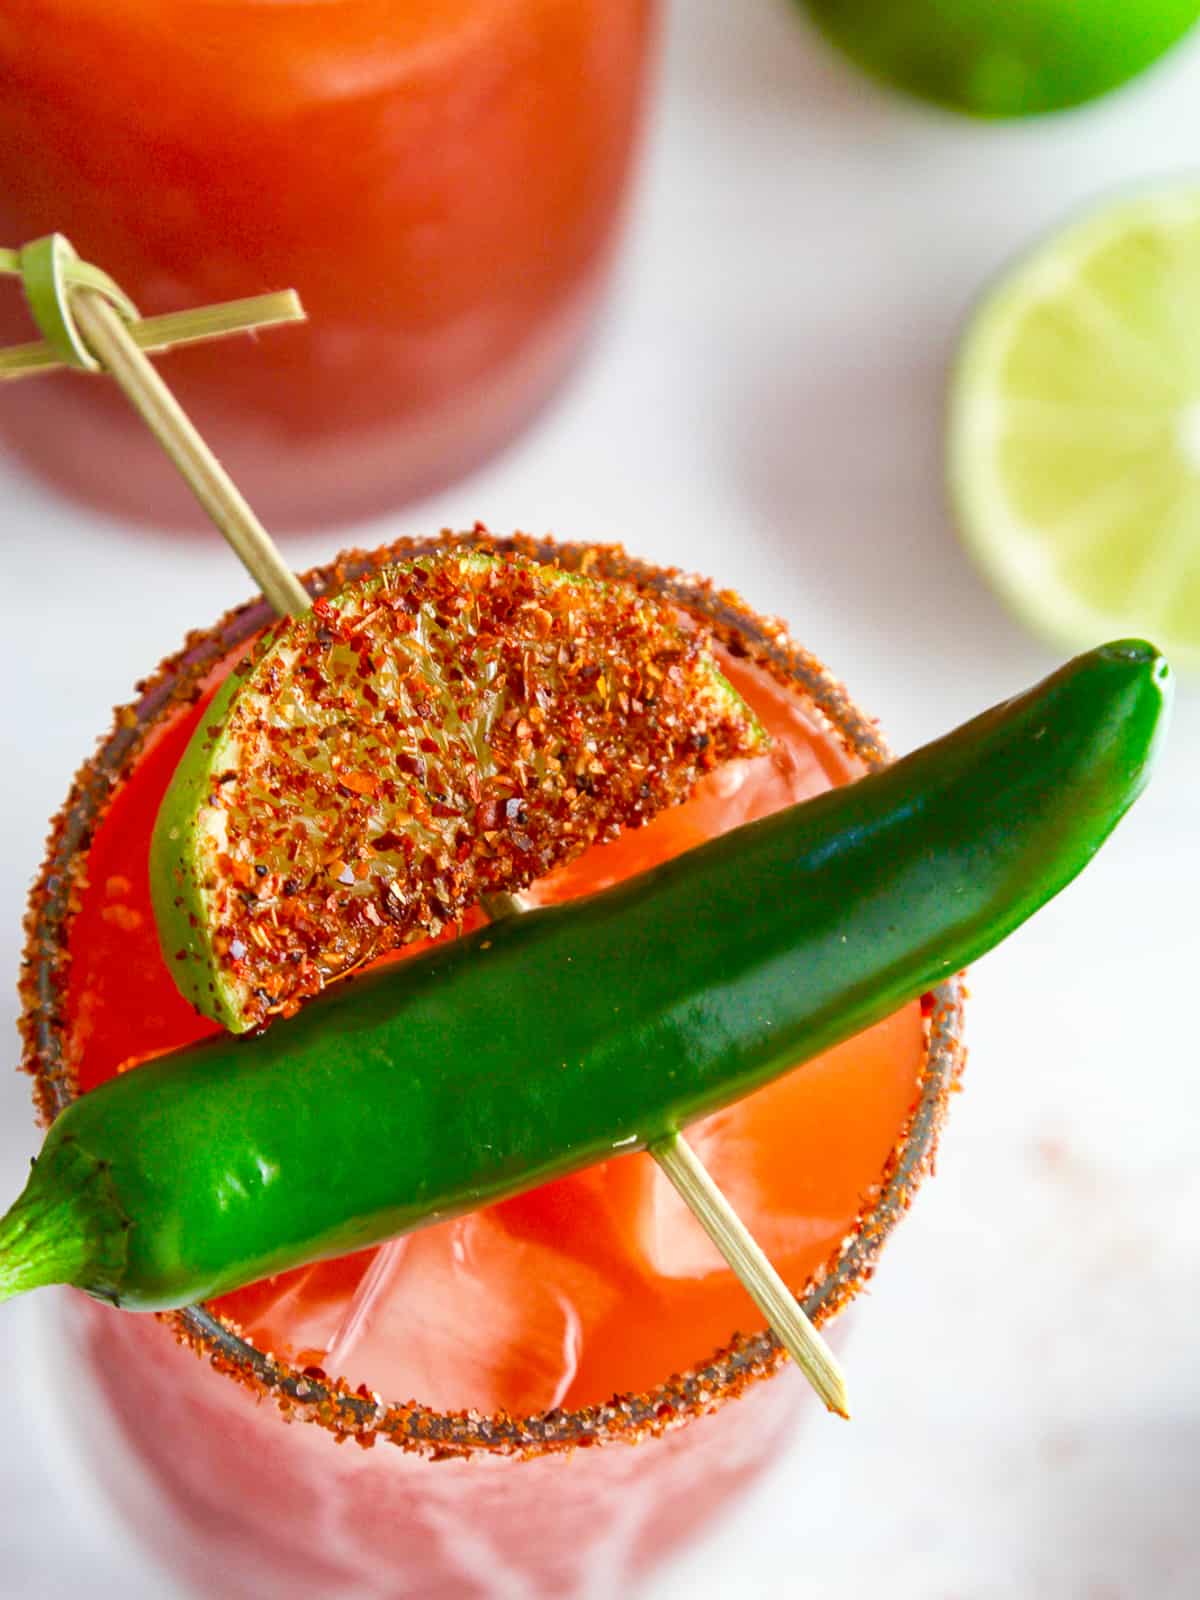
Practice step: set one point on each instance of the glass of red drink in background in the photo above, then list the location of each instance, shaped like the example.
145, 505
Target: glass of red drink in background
441, 182
544, 1336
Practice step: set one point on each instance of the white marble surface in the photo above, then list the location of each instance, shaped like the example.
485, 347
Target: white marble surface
764, 403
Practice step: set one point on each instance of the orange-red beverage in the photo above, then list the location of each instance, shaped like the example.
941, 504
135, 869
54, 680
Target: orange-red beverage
441, 182
591, 1312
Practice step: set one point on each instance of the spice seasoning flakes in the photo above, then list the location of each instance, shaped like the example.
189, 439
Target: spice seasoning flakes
449, 727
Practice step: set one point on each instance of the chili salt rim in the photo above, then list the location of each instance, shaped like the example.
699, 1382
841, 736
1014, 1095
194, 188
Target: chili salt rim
310, 1395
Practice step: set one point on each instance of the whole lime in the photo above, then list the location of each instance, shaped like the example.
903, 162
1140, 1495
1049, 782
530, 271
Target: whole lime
1004, 58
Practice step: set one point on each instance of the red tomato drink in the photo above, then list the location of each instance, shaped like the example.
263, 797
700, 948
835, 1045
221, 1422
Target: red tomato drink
441, 182
515, 1327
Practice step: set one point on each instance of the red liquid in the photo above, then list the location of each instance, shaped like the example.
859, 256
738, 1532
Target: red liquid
595, 1284
599, 1283
441, 182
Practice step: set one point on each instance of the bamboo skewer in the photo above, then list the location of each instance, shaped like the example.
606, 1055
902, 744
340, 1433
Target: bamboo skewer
120, 346
164, 333
742, 1253
109, 338
758, 1277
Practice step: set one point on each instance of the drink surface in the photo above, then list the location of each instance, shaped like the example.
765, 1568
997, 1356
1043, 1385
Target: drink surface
441, 184
599, 1283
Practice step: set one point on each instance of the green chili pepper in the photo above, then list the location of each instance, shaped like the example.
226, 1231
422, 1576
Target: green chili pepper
547, 1042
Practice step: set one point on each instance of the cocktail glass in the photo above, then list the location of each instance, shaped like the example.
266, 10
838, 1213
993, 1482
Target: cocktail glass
442, 183
230, 1472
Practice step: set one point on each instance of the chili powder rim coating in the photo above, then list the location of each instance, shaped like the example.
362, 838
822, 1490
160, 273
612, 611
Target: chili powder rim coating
310, 1395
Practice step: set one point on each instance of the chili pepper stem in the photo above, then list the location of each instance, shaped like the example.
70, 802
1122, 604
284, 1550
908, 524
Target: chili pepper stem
39, 1246
65, 1227
742, 1252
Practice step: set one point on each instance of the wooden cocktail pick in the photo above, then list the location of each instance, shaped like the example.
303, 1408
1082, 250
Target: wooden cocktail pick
742, 1252
89, 323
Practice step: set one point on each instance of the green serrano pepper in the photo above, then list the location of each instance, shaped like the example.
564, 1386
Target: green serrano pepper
545, 1043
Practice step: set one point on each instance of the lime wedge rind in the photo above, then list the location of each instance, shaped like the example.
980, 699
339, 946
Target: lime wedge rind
443, 728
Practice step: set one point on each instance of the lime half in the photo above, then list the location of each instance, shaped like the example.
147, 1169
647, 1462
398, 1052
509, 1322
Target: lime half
1004, 58
1074, 450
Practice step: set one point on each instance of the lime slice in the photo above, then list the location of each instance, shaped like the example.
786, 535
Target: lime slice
1074, 448
447, 728
1004, 58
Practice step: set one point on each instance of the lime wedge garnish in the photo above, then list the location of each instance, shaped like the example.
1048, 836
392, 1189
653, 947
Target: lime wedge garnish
1004, 58
1075, 429
449, 727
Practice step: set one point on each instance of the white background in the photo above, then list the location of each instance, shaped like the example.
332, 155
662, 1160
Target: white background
764, 403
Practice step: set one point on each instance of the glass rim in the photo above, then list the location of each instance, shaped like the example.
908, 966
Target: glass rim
310, 1394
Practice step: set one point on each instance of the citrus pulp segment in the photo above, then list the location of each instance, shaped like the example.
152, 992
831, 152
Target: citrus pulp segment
1074, 429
